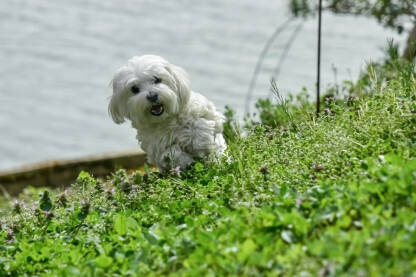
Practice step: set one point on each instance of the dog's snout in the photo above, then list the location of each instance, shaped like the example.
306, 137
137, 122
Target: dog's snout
152, 97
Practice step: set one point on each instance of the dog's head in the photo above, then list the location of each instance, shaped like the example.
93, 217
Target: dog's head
148, 90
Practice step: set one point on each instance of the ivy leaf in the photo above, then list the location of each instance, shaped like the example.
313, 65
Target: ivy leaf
103, 261
246, 249
151, 238
132, 224
120, 224
199, 167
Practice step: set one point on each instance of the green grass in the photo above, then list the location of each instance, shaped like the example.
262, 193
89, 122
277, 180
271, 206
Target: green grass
297, 196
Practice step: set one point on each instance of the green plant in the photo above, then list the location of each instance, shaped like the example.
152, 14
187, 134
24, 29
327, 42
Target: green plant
327, 196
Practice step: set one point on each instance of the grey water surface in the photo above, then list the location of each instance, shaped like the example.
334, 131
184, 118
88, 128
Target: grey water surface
57, 59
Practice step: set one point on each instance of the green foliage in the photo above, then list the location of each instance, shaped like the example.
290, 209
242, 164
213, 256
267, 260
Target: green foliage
231, 128
390, 13
280, 112
391, 69
45, 203
297, 196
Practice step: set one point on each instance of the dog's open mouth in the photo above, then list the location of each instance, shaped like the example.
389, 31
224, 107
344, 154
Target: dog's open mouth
157, 110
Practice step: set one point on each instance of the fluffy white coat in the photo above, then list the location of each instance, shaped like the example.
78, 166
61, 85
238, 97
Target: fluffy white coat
174, 124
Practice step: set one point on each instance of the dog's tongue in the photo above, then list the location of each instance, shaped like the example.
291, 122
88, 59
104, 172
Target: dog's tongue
157, 110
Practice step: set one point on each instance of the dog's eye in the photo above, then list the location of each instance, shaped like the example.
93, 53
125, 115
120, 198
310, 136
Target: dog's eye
135, 89
157, 80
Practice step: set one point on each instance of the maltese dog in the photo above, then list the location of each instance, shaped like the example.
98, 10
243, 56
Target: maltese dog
174, 124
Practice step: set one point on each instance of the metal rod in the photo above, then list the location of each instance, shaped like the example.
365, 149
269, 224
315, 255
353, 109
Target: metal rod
318, 81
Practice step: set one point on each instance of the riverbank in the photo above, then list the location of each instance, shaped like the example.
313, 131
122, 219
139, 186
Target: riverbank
299, 195
62, 173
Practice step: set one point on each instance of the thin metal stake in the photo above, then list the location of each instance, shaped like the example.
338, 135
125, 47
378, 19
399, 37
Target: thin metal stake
318, 81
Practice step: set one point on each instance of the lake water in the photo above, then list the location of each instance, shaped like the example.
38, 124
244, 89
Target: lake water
57, 58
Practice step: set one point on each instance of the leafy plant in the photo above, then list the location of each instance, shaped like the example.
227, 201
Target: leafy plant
327, 196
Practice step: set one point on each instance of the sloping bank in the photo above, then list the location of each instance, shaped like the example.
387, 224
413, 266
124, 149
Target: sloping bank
61, 173
301, 196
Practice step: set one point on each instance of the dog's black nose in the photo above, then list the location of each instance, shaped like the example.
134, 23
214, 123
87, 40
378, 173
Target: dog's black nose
152, 97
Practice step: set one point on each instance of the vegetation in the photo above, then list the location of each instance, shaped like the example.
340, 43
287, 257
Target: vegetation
390, 13
296, 196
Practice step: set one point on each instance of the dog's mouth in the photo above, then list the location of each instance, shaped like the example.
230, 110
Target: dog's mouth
157, 110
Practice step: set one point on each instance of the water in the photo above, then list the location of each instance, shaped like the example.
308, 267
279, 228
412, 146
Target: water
57, 58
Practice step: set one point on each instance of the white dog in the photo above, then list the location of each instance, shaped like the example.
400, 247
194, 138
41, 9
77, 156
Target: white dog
174, 124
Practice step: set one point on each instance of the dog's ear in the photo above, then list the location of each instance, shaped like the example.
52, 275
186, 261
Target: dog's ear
114, 105
181, 83
114, 110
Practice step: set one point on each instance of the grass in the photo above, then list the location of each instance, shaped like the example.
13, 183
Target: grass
297, 196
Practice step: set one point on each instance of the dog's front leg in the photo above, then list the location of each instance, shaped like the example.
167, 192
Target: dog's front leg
173, 157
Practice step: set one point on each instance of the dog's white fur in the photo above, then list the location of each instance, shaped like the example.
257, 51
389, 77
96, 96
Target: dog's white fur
189, 127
